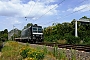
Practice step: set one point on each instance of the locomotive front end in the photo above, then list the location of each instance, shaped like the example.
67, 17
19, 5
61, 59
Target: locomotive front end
37, 34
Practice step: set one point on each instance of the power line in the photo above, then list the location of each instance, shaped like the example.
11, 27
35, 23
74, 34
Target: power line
29, 10
80, 2
67, 15
50, 9
56, 6
37, 12
71, 12
33, 6
32, 9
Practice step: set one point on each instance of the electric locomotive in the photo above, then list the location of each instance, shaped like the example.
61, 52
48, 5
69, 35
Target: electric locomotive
32, 34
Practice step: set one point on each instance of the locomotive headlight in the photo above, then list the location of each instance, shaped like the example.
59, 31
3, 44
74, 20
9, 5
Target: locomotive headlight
33, 35
41, 36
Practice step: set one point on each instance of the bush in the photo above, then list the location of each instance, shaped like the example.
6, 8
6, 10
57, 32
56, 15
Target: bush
15, 51
72, 39
51, 38
86, 40
27, 52
1, 45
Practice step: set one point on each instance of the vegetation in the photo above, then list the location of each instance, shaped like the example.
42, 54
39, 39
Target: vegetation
31, 53
28, 25
66, 32
4, 35
14, 51
61, 33
10, 51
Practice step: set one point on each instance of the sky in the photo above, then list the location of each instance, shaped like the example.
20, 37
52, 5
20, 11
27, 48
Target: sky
17, 13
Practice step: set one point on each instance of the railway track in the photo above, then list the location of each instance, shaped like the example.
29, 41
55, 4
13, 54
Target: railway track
85, 48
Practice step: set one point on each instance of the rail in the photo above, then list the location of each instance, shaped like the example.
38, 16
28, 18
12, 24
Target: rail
85, 48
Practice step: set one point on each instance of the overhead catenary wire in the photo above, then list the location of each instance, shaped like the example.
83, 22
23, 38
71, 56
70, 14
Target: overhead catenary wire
64, 15
80, 2
28, 13
55, 7
38, 11
33, 6
29, 10
50, 9
69, 13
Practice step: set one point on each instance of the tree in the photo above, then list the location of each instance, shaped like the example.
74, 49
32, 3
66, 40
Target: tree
84, 17
67, 31
4, 35
28, 25
6, 31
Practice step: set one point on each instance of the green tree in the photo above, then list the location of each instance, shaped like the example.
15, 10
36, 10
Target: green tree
67, 31
6, 31
4, 35
28, 25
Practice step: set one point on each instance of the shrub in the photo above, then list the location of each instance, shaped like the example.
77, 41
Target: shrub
86, 40
72, 39
27, 52
51, 38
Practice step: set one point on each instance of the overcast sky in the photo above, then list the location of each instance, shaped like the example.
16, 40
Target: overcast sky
41, 12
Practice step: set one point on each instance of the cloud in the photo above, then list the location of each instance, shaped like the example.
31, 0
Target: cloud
8, 22
48, 1
13, 1
16, 8
12, 20
9, 9
82, 8
69, 9
12, 12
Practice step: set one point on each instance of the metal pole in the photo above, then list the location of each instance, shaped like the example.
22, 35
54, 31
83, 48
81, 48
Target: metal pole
13, 32
83, 20
76, 29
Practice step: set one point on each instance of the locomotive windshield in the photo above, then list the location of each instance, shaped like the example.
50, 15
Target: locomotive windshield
34, 29
37, 29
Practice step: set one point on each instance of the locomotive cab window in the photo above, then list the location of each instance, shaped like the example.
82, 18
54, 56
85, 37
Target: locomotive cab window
34, 29
39, 30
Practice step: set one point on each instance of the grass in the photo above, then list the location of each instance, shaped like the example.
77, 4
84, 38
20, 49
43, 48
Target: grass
14, 51
11, 51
